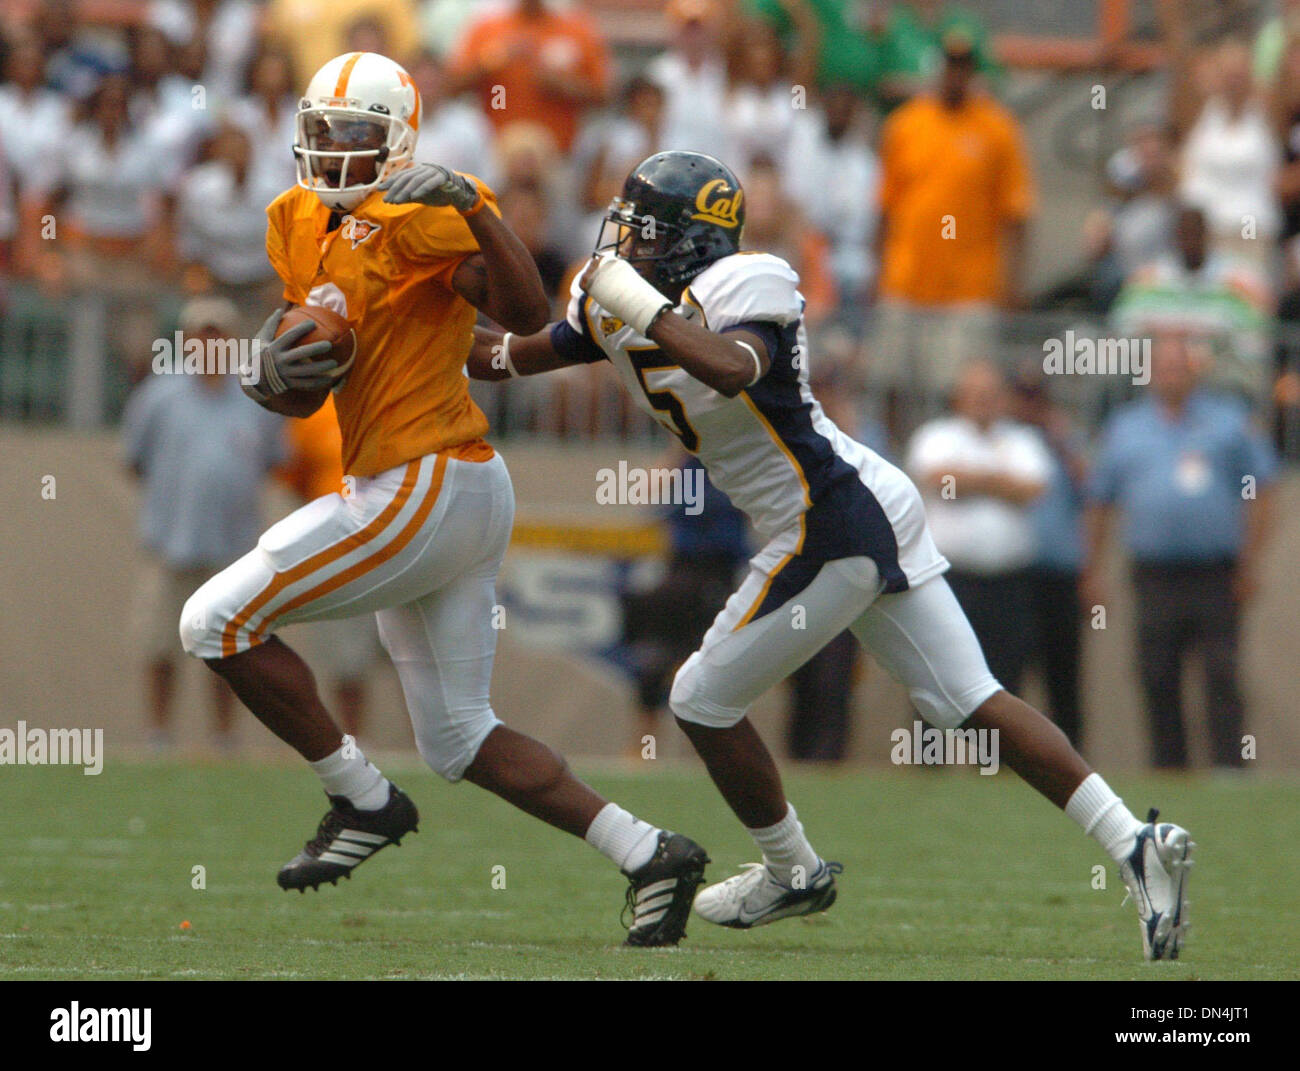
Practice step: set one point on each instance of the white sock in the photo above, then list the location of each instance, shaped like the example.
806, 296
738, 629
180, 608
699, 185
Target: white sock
347, 773
1104, 817
622, 838
785, 847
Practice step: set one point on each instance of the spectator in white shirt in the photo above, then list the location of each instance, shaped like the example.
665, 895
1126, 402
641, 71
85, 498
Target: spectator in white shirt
34, 120
221, 226
619, 144
979, 473
836, 177
692, 72
226, 28
1230, 150
107, 201
769, 97
453, 131
266, 111
164, 105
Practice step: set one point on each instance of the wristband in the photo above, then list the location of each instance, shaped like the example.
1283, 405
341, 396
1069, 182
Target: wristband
505, 352
477, 206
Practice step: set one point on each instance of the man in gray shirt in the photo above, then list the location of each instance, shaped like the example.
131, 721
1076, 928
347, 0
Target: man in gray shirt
202, 453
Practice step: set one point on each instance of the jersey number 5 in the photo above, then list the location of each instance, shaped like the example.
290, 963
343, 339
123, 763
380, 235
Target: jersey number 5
669, 411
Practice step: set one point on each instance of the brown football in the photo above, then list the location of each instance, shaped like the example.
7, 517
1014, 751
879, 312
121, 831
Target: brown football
330, 327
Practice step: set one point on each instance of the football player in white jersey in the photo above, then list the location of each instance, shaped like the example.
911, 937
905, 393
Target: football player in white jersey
711, 342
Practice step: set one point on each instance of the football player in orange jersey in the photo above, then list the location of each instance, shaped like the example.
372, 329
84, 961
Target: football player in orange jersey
406, 253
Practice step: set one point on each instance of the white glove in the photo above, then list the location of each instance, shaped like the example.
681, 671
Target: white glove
615, 285
286, 366
430, 184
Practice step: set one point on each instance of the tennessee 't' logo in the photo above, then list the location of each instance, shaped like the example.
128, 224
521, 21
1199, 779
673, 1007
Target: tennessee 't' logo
610, 324
357, 230
718, 203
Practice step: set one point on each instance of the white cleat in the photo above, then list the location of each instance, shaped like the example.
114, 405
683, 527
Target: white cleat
1156, 875
754, 897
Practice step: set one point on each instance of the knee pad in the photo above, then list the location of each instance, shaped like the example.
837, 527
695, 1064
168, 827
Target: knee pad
448, 750
689, 702
949, 711
201, 627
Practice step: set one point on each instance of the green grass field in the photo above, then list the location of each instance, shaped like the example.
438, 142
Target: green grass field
947, 875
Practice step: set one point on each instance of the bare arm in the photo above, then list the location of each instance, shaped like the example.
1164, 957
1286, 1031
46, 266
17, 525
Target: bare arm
528, 355
1013, 489
1260, 516
728, 363
501, 280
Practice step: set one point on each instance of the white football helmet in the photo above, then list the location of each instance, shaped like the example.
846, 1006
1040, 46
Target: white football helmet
357, 124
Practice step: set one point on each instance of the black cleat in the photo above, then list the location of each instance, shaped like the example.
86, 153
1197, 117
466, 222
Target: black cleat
661, 892
347, 837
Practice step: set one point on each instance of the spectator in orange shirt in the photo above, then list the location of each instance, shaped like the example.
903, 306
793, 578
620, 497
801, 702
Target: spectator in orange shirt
956, 193
532, 63
349, 645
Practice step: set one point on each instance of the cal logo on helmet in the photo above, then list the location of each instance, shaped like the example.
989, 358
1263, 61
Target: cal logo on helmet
718, 203
678, 212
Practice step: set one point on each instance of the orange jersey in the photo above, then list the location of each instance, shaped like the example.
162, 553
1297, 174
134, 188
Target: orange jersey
510, 55
388, 270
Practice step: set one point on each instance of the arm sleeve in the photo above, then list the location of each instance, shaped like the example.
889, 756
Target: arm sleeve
575, 346
770, 333
577, 343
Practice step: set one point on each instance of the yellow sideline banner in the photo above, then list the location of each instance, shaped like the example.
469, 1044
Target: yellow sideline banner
584, 537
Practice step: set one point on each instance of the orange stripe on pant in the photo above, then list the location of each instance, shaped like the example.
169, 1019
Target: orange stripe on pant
320, 559
395, 547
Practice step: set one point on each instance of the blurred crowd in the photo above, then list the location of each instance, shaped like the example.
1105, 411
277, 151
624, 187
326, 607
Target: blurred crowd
138, 154
137, 158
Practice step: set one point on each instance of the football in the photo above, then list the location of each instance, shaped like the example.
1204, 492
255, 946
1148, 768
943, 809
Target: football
330, 327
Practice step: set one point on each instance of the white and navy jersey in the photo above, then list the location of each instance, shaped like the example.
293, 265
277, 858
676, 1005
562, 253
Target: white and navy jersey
809, 489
